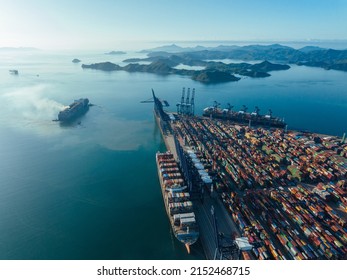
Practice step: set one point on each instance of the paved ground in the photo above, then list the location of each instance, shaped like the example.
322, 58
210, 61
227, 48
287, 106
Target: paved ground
170, 145
225, 224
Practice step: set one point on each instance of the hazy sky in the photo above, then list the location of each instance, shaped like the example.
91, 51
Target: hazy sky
76, 24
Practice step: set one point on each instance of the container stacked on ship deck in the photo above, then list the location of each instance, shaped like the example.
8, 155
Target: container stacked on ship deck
178, 206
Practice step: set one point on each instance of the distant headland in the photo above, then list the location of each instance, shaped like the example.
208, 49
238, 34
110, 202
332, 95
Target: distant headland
115, 52
20, 49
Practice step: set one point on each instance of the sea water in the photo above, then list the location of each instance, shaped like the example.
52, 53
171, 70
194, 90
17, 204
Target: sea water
90, 190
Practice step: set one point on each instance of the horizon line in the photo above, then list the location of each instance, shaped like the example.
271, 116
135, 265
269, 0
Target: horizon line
31, 48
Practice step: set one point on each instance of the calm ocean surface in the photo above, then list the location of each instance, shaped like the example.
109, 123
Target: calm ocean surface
91, 191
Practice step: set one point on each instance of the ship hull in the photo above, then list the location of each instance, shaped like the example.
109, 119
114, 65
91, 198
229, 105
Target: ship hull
75, 110
246, 118
186, 236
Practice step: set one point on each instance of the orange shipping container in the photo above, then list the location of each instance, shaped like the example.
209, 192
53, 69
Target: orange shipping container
246, 256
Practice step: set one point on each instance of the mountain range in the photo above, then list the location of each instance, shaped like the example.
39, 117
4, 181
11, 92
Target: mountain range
309, 55
273, 57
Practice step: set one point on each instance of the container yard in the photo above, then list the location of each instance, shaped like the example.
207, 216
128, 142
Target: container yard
284, 192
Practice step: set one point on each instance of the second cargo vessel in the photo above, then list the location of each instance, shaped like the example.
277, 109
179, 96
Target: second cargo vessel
177, 201
74, 110
243, 116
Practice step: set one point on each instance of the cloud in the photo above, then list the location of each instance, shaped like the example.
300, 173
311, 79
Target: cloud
29, 103
29, 108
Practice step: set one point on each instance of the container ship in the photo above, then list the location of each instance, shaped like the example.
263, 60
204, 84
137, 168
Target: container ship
13, 71
178, 205
243, 116
74, 110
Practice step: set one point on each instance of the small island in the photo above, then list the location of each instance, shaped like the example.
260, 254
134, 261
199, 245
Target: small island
104, 66
213, 77
76, 60
115, 52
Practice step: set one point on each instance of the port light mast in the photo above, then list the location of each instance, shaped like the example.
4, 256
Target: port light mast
187, 107
192, 109
182, 107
